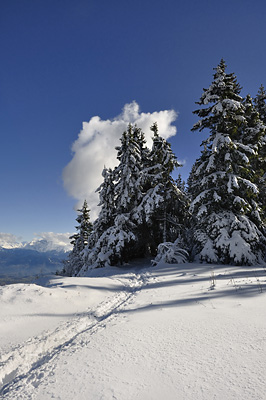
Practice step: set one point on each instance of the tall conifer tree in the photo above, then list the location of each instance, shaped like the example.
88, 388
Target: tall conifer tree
162, 212
107, 203
224, 197
119, 195
75, 260
260, 103
257, 123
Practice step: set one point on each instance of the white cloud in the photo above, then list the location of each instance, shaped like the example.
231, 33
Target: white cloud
95, 148
54, 240
8, 240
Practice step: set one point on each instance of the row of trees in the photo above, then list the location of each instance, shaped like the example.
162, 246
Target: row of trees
218, 217
141, 206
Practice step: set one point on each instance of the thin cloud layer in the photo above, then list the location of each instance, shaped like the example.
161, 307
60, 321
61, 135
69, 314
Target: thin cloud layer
95, 148
55, 240
8, 240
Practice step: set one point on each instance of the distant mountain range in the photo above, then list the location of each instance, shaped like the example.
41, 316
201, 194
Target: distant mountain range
20, 262
40, 244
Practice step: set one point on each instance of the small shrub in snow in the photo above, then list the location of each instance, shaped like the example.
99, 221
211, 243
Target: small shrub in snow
171, 253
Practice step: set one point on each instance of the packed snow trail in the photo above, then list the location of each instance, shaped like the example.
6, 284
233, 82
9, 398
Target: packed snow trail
181, 332
40, 350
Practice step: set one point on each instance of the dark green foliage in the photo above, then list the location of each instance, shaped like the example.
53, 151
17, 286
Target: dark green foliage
222, 185
74, 262
219, 216
260, 104
223, 88
141, 204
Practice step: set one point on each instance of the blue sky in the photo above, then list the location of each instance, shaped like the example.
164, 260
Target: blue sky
66, 61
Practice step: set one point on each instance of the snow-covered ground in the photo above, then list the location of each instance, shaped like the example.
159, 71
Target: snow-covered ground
186, 332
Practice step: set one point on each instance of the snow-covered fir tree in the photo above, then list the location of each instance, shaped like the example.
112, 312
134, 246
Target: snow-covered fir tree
163, 205
126, 174
228, 226
260, 103
75, 260
107, 203
254, 136
180, 183
260, 107
254, 128
119, 195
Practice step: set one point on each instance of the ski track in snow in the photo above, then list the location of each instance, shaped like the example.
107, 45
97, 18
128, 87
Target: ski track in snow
145, 343
29, 362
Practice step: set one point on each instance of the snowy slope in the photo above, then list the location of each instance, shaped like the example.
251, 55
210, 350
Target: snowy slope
169, 332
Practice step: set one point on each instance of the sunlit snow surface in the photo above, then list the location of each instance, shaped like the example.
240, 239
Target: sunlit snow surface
185, 331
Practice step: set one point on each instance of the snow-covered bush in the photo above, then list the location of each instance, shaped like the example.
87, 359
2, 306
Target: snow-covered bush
171, 253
